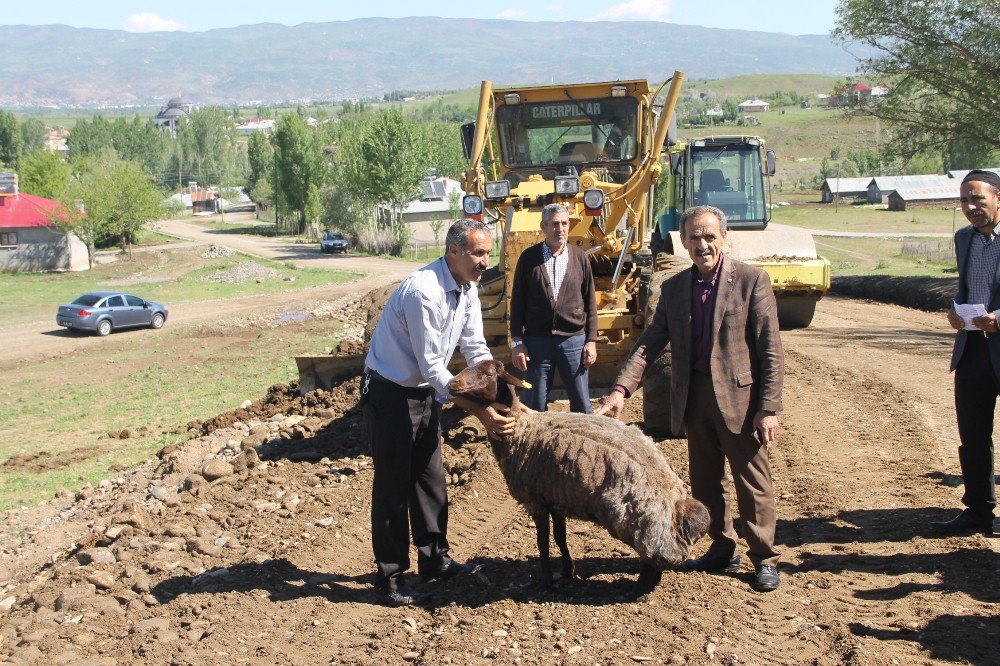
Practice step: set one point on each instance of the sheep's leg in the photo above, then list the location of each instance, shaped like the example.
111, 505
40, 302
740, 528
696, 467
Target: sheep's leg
649, 578
559, 532
542, 531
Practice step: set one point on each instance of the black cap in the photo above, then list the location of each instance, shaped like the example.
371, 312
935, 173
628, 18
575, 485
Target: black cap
984, 176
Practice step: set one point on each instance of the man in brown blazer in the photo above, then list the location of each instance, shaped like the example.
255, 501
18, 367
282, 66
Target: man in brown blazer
725, 388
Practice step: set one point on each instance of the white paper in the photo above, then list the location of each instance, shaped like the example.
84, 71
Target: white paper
968, 311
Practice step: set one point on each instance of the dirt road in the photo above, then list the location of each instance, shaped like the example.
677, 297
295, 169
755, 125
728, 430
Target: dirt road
270, 562
44, 337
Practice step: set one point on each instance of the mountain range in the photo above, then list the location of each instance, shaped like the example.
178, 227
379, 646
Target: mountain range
264, 63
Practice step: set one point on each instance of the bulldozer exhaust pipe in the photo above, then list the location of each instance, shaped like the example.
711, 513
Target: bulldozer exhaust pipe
669, 104
479, 140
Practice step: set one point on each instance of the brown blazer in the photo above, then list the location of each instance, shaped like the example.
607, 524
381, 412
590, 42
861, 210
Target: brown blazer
747, 360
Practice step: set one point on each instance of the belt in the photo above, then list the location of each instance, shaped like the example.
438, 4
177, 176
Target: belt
411, 392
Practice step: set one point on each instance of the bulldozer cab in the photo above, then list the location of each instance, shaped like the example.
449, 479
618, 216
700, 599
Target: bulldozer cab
729, 174
546, 137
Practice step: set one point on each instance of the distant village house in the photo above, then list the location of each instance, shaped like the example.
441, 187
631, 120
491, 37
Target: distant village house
940, 196
754, 105
881, 187
433, 205
29, 241
265, 125
844, 189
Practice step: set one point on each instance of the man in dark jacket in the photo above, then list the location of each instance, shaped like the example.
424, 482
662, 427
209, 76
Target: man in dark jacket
553, 315
976, 356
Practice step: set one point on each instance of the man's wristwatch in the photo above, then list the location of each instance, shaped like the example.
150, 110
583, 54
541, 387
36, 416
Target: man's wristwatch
516, 343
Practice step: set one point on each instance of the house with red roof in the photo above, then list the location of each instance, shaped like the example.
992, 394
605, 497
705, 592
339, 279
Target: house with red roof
29, 241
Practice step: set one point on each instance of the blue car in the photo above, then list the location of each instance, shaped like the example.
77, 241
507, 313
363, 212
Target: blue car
105, 311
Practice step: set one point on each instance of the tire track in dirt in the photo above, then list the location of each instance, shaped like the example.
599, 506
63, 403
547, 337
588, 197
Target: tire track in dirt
855, 466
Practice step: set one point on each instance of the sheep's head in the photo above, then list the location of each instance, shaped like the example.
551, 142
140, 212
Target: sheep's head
480, 382
690, 520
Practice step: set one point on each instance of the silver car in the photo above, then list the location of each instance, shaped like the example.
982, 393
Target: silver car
105, 311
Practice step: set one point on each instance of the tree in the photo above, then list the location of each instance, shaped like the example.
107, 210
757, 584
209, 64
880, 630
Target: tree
384, 164
260, 160
90, 137
44, 174
211, 144
10, 140
298, 164
939, 58
33, 135
117, 200
140, 141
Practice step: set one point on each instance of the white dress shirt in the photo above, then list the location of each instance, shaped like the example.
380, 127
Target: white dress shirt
427, 316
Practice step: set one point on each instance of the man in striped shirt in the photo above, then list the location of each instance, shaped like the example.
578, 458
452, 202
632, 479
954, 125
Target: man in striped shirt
976, 357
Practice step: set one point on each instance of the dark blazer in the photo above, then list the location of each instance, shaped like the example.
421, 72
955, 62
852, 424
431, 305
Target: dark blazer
532, 311
963, 241
747, 359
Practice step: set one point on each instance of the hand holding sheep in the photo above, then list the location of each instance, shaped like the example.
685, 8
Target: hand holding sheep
612, 405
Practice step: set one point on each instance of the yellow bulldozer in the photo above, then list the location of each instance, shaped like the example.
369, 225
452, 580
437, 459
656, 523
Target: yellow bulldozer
598, 149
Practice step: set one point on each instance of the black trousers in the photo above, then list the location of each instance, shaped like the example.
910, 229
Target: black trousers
976, 391
404, 435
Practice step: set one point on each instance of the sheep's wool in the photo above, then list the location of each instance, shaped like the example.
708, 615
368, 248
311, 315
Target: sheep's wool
598, 469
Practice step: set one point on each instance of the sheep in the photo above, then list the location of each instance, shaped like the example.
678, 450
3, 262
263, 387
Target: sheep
592, 468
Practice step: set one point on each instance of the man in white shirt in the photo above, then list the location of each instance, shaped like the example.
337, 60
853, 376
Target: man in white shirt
405, 383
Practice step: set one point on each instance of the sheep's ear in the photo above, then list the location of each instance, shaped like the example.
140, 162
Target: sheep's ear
505, 376
690, 519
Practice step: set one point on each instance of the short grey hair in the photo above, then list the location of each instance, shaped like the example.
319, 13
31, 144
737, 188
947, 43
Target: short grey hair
550, 210
458, 233
695, 211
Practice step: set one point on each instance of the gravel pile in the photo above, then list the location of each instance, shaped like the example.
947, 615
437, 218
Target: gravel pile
247, 271
217, 252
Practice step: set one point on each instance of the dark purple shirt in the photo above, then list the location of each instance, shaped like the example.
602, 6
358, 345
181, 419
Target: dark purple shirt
703, 295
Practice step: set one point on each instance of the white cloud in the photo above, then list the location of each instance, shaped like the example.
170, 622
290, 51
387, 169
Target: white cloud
512, 14
149, 22
636, 10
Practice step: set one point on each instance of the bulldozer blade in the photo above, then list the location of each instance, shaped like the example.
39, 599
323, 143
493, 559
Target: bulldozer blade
320, 372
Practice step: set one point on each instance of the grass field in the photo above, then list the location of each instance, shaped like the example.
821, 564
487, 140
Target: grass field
55, 416
167, 276
907, 256
830, 217
933, 257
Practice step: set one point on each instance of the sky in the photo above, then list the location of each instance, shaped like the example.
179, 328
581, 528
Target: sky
795, 17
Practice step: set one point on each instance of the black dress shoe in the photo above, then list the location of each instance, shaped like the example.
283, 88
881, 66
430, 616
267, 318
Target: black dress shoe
963, 523
766, 579
450, 570
403, 595
714, 563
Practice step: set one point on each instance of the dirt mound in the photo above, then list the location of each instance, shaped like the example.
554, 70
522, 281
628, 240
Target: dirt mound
924, 293
45, 461
372, 305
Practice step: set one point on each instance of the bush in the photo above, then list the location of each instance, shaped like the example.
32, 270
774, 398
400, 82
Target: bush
383, 240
